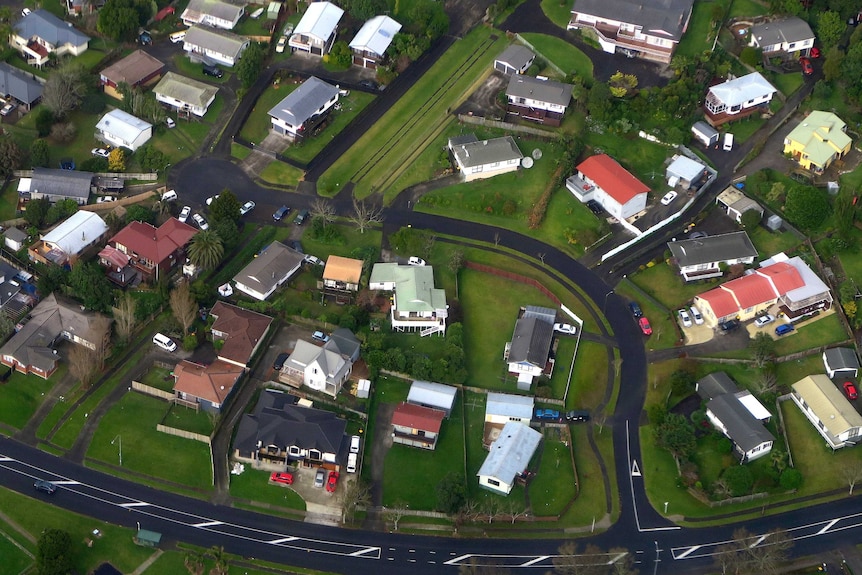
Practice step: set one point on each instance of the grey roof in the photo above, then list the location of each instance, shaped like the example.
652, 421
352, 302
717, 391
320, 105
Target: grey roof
531, 341
215, 8
67, 183
715, 384
463, 139
742, 427
516, 56
840, 358
509, 405
344, 342
483, 152
264, 272
511, 452
434, 395
550, 91
720, 248
16, 234
185, 90
788, 31
547, 314
705, 129
304, 102
666, 18
216, 39
19, 84
685, 168
43, 24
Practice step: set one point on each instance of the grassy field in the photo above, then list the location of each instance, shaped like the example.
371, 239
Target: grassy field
824, 331
566, 56
15, 561
747, 8
282, 174
351, 105
558, 11
254, 485
745, 128
352, 240
555, 485
257, 124
195, 70
643, 158
664, 331
160, 378
662, 282
188, 419
22, 395
589, 378
787, 83
770, 243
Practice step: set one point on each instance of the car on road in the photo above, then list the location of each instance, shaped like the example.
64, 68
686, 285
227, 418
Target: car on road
282, 42
246, 208
282, 477
279, 361
100, 152
728, 326
807, 68
7, 109
684, 318
646, 328
763, 320
184, 214
635, 309
595, 207
280, 213
668, 198
695, 315
354, 444
45, 486
332, 482
313, 260
546, 413
566, 328
415, 261
201, 222
351, 463
320, 336
784, 329
319, 477
850, 390
211, 199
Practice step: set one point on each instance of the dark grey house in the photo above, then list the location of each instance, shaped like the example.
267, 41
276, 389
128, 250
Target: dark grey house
702, 258
527, 354
21, 86
303, 109
57, 185
538, 100
841, 362
515, 59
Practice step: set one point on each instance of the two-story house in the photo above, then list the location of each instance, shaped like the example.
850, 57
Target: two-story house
786, 36
527, 355
315, 32
322, 369
123, 130
214, 44
370, 43
241, 330
703, 258
831, 414
416, 426
39, 34
417, 304
185, 95
538, 99
476, 160
817, 141
153, 253
601, 179
215, 13
738, 98
341, 277
65, 244
303, 109
137, 70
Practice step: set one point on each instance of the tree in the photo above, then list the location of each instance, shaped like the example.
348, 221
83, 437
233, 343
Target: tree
365, 214
194, 562
366, 9
206, 249
395, 512
55, 554
44, 121
766, 380
7, 326
117, 160
225, 207
323, 210
50, 279
682, 382
621, 84
124, 317
851, 470
474, 567
340, 55
748, 553
183, 305
791, 479
90, 285
599, 103
787, 7
82, 364
222, 563
751, 219
676, 434
456, 262
139, 213
851, 69
833, 63
65, 88
353, 495
228, 231
10, 157
762, 349
829, 27
39, 156
119, 20
151, 159
451, 493
571, 561
251, 64
739, 480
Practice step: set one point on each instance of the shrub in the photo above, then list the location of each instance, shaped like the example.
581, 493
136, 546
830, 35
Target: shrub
44, 121
739, 480
790, 479
63, 133
190, 342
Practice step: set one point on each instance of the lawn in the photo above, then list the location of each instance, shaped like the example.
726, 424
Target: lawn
662, 282
160, 378
743, 129
15, 561
589, 378
747, 8
555, 484
281, 174
195, 70
824, 331
256, 126
58, 411
770, 243
239, 152
173, 563
701, 32
787, 83
306, 149
566, 56
558, 11
664, 330
253, 485
565, 358
353, 240
22, 395
187, 419
643, 158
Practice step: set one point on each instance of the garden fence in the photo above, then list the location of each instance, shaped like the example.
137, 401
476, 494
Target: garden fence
183, 433
153, 391
506, 126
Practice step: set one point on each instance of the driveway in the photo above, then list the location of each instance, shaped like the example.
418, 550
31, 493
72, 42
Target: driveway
379, 449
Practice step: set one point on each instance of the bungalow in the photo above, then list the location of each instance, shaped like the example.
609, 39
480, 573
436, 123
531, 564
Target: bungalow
20, 86
416, 426
486, 159
703, 258
315, 32
205, 386
417, 304
600, 178
841, 362
15, 238
516, 59
502, 408
241, 332
265, 273
370, 43
280, 432
527, 355
735, 203
322, 369
831, 414
685, 172
66, 243
215, 13
790, 35
649, 30
303, 109
817, 141
39, 34
538, 99
204, 42
433, 395
57, 185
341, 276
153, 253
137, 70
738, 98
185, 95
509, 457
121, 129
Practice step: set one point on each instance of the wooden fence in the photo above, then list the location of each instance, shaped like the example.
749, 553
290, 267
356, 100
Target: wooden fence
153, 391
183, 433
149, 176
515, 277
479, 120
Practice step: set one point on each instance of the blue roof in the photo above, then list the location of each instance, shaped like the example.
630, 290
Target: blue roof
48, 27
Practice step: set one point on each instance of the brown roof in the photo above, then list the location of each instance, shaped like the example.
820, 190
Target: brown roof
245, 328
342, 269
134, 68
212, 382
418, 417
154, 244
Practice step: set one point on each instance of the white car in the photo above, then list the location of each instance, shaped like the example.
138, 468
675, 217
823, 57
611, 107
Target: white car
351, 463
170, 196
170, 122
314, 260
684, 318
695, 313
164, 342
668, 198
7, 109
354, 444
201, 222
211, 199
100, 152
566, 328
288, 30
246, 208
105, 199
282, 42
184, 214
25, 12
764, 320
414, 261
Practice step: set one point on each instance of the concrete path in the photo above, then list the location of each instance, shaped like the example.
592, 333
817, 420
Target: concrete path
146, 564
57, 393
24, 533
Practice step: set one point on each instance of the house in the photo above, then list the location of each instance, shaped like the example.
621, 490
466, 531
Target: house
515, 59
704, 258
738, 98
831, 414
343, 341
322, 369
65, 244
30, 349
279, 432
57, 185
241, 331
205, 386
341, 276
265, 273
39, 34
370, 43
417, 304
15, 238
817, 141
841, 362
509, 457
486, 159
685, 172
433, 395
19, 86
185, 95
303, 109
786, 282
649, 30
538, 99
215, 13
207, 43
315, 32
121, 129
789, 36
502, 408
138, 70
600, 178
714, 384
528, 352
735, 203
153, 253
416, 426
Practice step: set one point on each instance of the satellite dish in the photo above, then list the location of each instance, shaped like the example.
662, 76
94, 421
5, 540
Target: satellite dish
527, 162
537, 154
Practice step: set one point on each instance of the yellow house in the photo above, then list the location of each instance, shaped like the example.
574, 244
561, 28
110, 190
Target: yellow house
817, 141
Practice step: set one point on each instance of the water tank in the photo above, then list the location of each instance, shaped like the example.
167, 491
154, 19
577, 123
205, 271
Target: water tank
774, 223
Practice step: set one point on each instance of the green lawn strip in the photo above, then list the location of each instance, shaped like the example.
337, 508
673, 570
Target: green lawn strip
745, 128
58, 411
770, 243
565, 357
15, 561
159, 377
787, 83
173, 563
664, 283
822, 332
282, 174
50, 449
91, 58
252, 26
11, 533
611, 405
565, 55
351, 105
851, 260
590, 501
643, 158
560, 13
22, 395
554, 485
589, 378
747, 9
253, 485
194, 70
256, 126
187, 419
433, 161
700, 34
239, 152
353, 240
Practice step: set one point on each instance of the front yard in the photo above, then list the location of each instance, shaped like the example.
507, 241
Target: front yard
21, 395
253, 485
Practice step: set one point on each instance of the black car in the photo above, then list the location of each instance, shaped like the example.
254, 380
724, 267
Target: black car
578, 415
279, 361
301, 217
297, 245
729, 325
45, 486
213, 71
595, 207
370, 84
636, 309
280, 213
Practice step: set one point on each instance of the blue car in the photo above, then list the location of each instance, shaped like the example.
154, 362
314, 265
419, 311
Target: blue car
784, 329
547, 414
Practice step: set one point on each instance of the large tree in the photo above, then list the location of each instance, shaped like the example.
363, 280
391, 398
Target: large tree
830, 27
451, 493
10, 157
225, 207
251, 64
55, 554
124, 317
183, 305
65, 88
89, 284
365, 214
206, 249
39, 156
120, 19
807, 206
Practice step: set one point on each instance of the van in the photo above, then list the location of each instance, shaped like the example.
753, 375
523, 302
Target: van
351, 463
178, 37
784, 329
301, 217
164, 342
170, 196
728, 142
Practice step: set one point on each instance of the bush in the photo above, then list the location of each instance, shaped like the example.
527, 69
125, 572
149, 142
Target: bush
63, 133
750, 55
190, 342
790, 479
44, 121
739, 480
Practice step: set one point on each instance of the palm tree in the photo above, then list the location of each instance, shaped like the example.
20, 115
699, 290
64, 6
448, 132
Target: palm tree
221, 560
194, 562
206, 249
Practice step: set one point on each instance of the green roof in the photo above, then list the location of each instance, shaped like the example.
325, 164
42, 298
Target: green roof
414, 286
822, 135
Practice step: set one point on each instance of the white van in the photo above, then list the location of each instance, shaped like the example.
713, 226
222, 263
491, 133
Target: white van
351, 463
170, 196
164, 342
728, 142
178, 37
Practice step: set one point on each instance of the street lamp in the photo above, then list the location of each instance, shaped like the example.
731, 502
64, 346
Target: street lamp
120, 438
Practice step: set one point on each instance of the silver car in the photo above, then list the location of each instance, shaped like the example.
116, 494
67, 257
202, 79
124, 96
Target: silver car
319, 477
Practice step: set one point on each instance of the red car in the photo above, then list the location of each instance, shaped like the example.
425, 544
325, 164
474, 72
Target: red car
815, 52
332, 482
286, 478
644, 325
807, 68
850, 390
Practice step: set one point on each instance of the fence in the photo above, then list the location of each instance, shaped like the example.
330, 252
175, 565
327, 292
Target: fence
121, 175
478, 120
153, 391
515, 277
183, 433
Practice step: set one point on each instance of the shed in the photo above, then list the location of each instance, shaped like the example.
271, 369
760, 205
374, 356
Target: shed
685, 171
15, 238
433, 395
705, 133
841, 362
147, 538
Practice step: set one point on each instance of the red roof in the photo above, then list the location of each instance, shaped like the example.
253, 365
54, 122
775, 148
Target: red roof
785, 277
114, 256
721, 302
418, 417
212, 382
766, 284
243, 327
612, 178
151, 243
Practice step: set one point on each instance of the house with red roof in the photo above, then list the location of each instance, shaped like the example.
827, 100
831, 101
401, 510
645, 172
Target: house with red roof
240, 330
146, 251
416, 426
601, 179
205, 386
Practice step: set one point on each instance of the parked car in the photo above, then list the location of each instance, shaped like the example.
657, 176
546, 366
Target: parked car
45, 486
807, 68
415, 261
850, 390
578, 415
354, 444
369, 84
547, 414
784, 329
595, 207
170, 123
213, 71
815, 52
319, 477
280, 213
282, 42
684, 318
165, 342
105, 199
313, 260
695, 315
211, 199
283, 477
246, 208
288, 30
297, 245
635, 309
763, 320
7, 109
728, 326
320, 336
184, 214
170, 196
351, 463
67, 164
646, 328
201, 222
301, 217
332, 482
566, 328
279, 361
668, 198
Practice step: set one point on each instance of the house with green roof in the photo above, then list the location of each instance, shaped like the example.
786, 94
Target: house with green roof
818, 140
417, 304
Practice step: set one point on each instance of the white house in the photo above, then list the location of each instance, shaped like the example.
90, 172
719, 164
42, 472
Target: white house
502, 408
789, 35
318, 368
602, 179
831, 414
515, 59
265, 273
303, 109
185, 95
702, 258
39, 34
841, 362
216, 13
538, 99
478, 160
57, 185
64, 244
751, 440
121, 129
417, 304
527, 354
315, 32
215, 44
370, 43
509, 457
14, 238
416, 426
737, 98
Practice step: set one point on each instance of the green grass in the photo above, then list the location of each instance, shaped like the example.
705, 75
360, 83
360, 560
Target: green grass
787, 83
701, 33
256, 126
745, 128
282, 174
558, 12
554, 485
253, 485
353, 240
22, 395
239, 152
824, 331
307, 149
160, 378
564, 55
58, 411
172, 563
664, 330
770, 243
664, 283
14, 559
187, 419
589, 377
747, 8
195, 70
565, 358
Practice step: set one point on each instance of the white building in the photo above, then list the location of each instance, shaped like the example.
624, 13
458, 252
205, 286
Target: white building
516, 59
303, 109
269, 270
318, 368
417, 304
738, 96
185, 95
214, 43
509, 457
121, 129
370, 43
505, 407
40, 34
702, 258
790, 35
602, 179
478, 160
433, 395
216, 13
315, 32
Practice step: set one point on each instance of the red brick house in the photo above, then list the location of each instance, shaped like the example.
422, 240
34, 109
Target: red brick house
152, 252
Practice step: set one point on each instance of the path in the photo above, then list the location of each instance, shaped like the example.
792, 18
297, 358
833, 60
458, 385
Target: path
146, 564
58, 393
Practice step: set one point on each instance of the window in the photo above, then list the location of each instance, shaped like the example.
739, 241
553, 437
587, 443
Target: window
493, 482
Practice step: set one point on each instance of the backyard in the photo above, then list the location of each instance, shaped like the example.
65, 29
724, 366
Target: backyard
563, 54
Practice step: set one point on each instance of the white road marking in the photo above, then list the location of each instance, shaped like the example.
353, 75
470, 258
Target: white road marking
4, 458
828, 526
618, 557
533, 561
282, 540
686, 553
758, 541
66, 482
364, 551
207, 524
636, 472
134, 504
457, 560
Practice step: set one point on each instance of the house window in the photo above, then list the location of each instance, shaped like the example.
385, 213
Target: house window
294, 451
493, 482
314, 454
420, 432
791, 46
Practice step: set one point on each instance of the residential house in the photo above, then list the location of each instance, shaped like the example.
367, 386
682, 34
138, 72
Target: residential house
315, 32
15, 238
789, 36
66, 243
602, 179
738, 98
704, 258
185, 95
39, 34
241, 331
370, 43
515, 59
817, 141
344, 342
735, 203
214, 44
649, 30
416, 426
841, 362
433, 395
265, 273
714, 384
502, 408
31, 349
322, 369
786, 282
303, 109
528, 353
205, 386
538, 99
509, 457
685, 172
341, 277
19, 87
153, 253
17, 294
279, 432
57, 185
215, 13
831, 414
121, 129
417, 304
484, 159
137, 70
